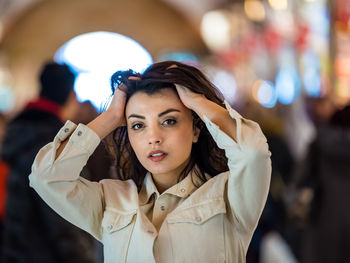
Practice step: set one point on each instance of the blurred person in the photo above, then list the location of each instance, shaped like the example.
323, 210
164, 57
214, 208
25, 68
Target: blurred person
318, 112
193, 175
3, 181
33, 232
324, 192
269, 242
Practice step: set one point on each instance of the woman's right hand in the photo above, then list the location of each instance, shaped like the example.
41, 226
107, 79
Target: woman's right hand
107, 121
117, 106
113, 117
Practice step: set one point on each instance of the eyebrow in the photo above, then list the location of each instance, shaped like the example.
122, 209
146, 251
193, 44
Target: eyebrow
159, 115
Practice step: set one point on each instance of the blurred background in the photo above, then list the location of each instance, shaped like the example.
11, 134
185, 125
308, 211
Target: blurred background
282, 63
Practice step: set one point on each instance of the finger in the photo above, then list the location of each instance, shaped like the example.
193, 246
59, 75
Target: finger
181, 88
134, 78
122, 87
172, 66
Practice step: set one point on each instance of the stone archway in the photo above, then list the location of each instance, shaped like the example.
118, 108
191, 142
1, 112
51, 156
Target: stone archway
36, 35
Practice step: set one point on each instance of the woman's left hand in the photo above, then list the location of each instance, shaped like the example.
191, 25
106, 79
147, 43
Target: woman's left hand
204, 107
189, 98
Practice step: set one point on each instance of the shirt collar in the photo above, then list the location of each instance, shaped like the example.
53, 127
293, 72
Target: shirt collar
147, 190
182, 189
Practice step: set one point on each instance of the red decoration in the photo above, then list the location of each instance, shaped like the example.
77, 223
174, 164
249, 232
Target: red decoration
301, 38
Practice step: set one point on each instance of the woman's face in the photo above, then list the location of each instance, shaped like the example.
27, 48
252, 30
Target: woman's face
160, 130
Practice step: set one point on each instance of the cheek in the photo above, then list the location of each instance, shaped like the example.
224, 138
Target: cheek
135, 144
183, 140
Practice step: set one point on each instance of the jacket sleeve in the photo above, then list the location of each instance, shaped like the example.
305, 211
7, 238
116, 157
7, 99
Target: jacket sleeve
58, 182
249, 169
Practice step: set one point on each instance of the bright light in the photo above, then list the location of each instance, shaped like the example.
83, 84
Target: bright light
226, 83
286, 86
312, 82
95, 57
184, 57
254, 9
6, 98
215, 30
93, 86
311, 76
342, 88
265, 93
279, 4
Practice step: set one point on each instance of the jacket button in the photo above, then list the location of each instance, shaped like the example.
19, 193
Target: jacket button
80, 133
162, 208
109, 228
183, 190
66, 130
198, 218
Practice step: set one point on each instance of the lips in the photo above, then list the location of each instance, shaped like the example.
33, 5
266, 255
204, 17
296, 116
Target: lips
157, 156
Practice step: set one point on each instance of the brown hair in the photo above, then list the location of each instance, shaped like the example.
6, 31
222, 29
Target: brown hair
208, 157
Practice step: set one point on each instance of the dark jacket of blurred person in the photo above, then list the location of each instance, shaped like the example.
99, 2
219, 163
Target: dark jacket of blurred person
3, 180
33, 232
327, 175
274, 215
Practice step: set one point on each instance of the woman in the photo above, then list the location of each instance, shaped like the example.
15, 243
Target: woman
179, 199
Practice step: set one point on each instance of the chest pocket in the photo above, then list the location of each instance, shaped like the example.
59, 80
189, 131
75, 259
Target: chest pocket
197, 233
114, 221
117, 230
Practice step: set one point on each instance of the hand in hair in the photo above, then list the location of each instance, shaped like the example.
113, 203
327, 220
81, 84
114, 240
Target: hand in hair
117, 106
188, 97
204, 107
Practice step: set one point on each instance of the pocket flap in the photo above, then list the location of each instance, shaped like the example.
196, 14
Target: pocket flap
198, 214
114, 221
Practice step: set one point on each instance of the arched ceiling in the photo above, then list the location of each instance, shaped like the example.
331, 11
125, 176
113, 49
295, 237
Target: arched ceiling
36, 34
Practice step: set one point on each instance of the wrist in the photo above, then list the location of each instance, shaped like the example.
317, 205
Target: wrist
112, 120
114, 117
105, 123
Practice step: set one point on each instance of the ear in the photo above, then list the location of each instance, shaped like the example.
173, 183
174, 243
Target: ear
196, 132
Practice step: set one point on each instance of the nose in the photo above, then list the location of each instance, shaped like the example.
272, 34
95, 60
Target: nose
155, 136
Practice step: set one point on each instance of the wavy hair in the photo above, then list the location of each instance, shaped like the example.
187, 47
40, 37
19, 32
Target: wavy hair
205, 154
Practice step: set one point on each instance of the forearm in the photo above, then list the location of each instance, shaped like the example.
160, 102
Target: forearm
102, 125
216, 114
58, 181
249, 166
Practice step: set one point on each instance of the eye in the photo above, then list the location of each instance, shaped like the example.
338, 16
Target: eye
169, 122
137, 126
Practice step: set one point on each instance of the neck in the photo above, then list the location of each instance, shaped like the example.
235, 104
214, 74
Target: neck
166, 180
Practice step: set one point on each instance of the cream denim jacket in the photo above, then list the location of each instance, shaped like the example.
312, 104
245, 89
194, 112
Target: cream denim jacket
214, 223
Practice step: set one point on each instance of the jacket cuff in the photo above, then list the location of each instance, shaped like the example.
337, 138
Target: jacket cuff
221, 138
79, 134
66, 130
86, 138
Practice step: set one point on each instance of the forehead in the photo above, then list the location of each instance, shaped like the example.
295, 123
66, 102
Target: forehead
163, 99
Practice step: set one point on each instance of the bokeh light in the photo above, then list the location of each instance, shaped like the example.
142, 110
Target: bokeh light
95, 57
265, 93
287, 85
254, 10
215, 30
226, 83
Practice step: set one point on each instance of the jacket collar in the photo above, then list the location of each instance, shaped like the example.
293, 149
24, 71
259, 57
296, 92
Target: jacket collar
182, 189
